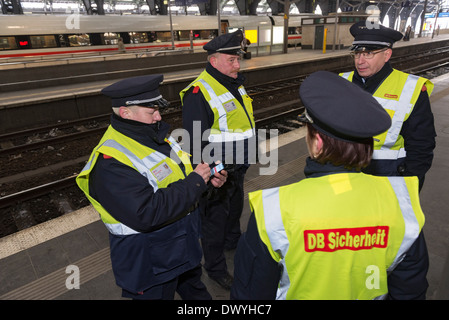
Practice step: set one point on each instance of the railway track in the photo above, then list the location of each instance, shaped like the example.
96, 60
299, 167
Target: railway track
63, 183
281, 102
19, 203
38, 191
64, 132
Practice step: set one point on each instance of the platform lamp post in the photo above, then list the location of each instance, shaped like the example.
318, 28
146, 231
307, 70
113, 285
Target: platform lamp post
286, 16
436, 18
423, 14
219, 18
335, 26
167, 2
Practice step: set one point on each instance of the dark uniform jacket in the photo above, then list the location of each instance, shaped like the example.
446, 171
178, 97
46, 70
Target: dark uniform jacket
418, 132
257, 275
168, 244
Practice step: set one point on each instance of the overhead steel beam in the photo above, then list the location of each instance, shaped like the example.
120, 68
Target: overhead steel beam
247, 7
12, 6
4, 7
100, 7
152, 6
91, 10
88, 6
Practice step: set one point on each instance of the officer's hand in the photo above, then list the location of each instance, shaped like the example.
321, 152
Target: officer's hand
204, 171
219, 178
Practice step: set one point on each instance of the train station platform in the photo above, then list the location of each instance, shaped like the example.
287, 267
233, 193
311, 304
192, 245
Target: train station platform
44, 261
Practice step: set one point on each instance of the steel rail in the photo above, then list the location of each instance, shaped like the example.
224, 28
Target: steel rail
36, 192
44, 189
275, 86
64, 125
54, 140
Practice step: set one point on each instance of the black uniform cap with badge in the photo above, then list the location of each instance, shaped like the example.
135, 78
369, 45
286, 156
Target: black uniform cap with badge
140, 91
229, 43
370, 36
343, 111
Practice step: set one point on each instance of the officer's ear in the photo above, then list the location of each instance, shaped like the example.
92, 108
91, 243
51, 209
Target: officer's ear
124, 112
213, 59
315, 145
318, 144
387, 54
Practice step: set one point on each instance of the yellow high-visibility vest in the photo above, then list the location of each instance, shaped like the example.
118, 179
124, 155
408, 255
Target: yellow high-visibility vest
342, 237
159, 169
398, 94
232, 121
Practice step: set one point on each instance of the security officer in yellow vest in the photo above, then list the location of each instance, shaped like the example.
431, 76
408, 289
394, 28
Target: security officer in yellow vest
406, 149
147, 194
339, 233
216, 106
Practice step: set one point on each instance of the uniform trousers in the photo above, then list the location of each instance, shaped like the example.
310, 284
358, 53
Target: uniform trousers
188, 285
220, 223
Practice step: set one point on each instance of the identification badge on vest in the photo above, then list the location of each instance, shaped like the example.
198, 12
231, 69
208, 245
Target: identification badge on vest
230, 106
162, 171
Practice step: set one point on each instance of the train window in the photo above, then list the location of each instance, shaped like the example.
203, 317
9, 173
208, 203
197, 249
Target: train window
207, 34
77, 40
185, 35
111, 38
7, 43
152, 36
163, 36
294, 30
43, 41
138, 37
23, 42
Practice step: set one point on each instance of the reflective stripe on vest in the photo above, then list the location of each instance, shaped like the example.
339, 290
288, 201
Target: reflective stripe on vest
277, 235
346, 75
385, 149
412, 228
229, 115
217, 102
143, 166
401, 108
279, 242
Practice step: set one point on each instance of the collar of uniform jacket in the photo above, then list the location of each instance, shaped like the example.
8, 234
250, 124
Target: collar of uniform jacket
141, 132
372, 83
224, 79
314, 169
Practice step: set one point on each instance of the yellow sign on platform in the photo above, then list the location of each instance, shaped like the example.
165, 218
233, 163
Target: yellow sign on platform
251, 35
